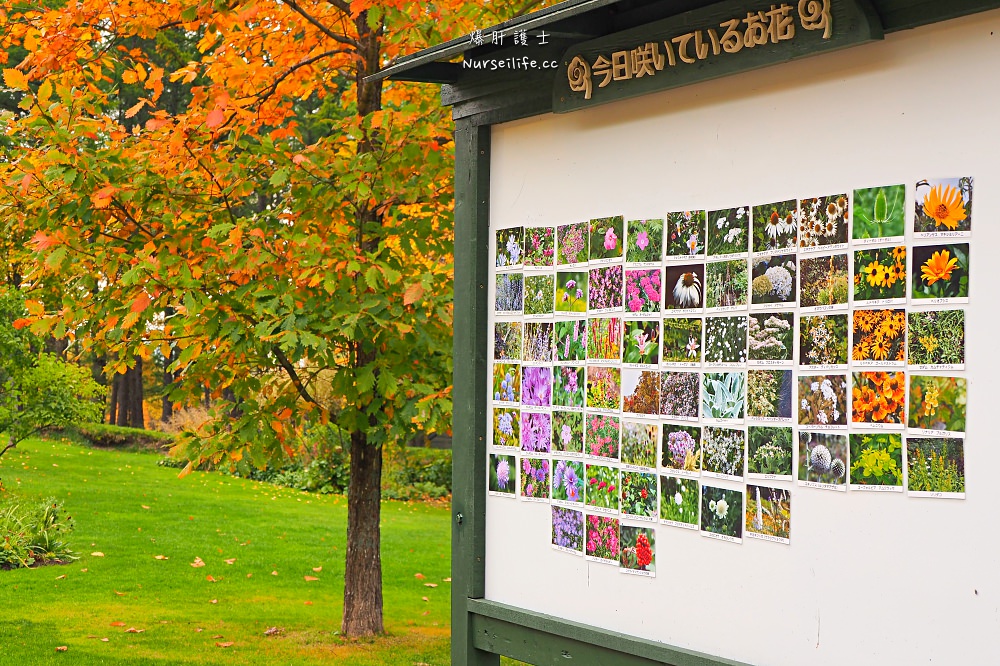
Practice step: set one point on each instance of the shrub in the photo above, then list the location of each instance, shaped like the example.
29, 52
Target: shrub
33, 533
117, 437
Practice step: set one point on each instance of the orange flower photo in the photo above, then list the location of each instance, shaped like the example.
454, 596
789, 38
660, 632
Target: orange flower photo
943, 205
879, 335
878, 397
940, 271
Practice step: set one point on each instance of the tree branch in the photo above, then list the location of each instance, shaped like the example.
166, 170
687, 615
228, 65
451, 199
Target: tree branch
270, 90
293, 5
293, 375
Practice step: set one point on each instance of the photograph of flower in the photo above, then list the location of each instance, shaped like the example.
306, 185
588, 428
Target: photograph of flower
571, 244
506, 382
722, 511
681, 447
726, 339
605, 292
638, 549
679, 394
724, 452
567, 528
726, 283
769, 451
502, 470
536, 386
571, 340
935, 465
723, 395
538, 342
640, 391
571, 291
567, 432
823, 340
877, 459
772, 336
823, 221
602, 487
536, 432
937, 337
509, 247
878, 397
878, 212
824, 281
642, 342
773, 280
879, 336
604, 339
639, 443
507, 341
535, 478
567, 480
823, 400
937, 403
569, 386
638, 494
727, 231
538, 294
682, 288
506, 427
682, 340
604, 388
602, 537
510, 289
823, 459
607, 236
539, 246
645, 242
774, 226
943, 205
880, 273
769, 394
943, 271
769, 512
686, 233
643, 290
679, 500
603, 435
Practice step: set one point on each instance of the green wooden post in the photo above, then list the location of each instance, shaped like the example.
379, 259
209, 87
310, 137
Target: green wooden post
468, 531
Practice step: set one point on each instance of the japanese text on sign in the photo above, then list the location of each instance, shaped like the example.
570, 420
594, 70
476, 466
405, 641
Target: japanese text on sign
773, 26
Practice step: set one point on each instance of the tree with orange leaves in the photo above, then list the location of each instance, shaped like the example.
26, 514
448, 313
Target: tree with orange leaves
217, 182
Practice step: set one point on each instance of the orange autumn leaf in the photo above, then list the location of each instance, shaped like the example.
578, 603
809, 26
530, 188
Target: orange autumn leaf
310, 579
15, 79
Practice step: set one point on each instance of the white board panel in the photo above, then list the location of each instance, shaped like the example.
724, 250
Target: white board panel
869, 578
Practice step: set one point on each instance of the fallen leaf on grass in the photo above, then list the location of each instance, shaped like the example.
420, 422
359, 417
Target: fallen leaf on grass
274, 573
232, 561
430, 584
197, 563
419, 576
217, 636
117, 624
120, 594
307, 603
97, 554
198, 630
133, 630
61, 648
426, 613
309, 579
60, 577
211, 579
317, 569
425, 598
447, 580
83, 571
249, 575
160, 557
224, 645
273, 631
214, 601
144, 506
104, 640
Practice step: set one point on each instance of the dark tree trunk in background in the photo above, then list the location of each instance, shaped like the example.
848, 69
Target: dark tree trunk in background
363, 573
126, 398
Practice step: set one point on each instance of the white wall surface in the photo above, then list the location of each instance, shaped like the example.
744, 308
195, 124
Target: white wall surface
869, 578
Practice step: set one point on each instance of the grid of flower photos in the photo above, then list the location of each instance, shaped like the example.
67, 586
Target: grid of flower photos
695, 371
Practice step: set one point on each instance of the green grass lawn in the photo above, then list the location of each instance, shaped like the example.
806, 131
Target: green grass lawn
132, 511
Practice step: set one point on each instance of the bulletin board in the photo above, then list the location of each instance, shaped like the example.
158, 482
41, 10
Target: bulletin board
740, 364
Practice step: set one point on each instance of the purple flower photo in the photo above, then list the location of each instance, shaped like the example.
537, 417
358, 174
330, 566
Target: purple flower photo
536, 432
536, 386
606, 288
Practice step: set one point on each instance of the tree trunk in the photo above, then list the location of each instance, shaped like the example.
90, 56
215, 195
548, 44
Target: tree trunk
126, 398
363, 569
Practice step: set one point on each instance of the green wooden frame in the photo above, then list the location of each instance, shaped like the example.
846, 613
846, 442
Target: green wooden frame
482, 630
